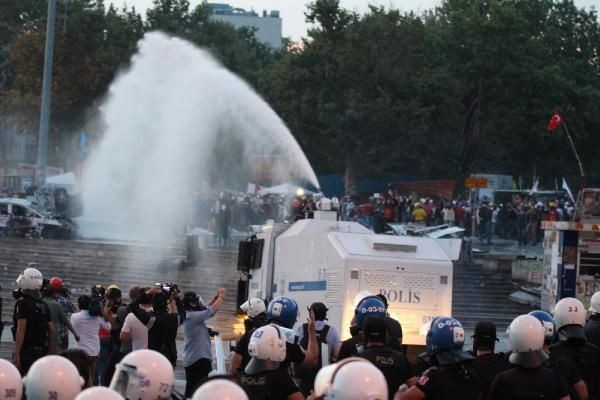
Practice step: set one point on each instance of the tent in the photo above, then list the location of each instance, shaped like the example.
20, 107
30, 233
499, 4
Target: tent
287, 189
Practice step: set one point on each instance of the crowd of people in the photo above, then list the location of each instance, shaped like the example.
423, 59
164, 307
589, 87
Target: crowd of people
519, 219
128, 350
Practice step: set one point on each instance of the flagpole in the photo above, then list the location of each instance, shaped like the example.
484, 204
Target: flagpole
564, 124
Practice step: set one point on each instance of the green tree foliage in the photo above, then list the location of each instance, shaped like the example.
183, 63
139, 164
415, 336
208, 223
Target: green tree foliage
92, 43
373, 94
388, 92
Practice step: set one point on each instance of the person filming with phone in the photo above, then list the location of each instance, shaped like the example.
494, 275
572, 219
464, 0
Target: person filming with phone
197, 354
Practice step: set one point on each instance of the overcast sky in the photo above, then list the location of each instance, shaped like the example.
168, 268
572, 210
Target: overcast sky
292, 11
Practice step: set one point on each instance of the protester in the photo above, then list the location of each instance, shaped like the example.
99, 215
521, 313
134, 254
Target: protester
487, 364
197, 353
326, 334
57, 315
134, 330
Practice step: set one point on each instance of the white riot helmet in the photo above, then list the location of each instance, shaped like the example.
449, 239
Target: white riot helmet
267, 348
220, 389
526, 337
52, 377
99, 393
595, 303
569, 315
31, 279
253, 307
11, 386
352, 379
144, 375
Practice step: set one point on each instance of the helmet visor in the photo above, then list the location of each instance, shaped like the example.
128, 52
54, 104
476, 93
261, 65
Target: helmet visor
256, 366
452, 356
124, 377
528, 359
571, 332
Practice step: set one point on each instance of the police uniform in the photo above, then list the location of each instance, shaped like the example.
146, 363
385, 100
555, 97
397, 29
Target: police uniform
35, 341
448, 382
393, 364
488, 366
528, 384
269, 385
586, 358
592, 329
567, 369
351, 347
241, 346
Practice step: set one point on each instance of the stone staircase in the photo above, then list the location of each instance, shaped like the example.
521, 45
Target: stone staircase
83, 264
481, 294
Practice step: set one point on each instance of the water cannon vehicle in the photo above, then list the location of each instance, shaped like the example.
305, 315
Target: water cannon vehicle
331, 261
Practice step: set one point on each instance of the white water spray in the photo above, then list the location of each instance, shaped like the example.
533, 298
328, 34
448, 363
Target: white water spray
178, 122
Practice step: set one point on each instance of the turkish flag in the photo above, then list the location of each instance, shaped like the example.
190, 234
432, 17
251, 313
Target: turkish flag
555, 121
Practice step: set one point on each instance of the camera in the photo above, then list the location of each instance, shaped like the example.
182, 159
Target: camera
98, 293
167, 288
113, 298
97, 298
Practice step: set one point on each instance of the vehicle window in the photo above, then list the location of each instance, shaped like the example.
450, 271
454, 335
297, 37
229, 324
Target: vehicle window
18, 211
3, 209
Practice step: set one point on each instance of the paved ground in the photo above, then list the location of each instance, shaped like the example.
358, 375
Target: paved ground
508, 247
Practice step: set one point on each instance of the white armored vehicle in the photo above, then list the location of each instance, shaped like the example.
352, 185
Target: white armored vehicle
331, 261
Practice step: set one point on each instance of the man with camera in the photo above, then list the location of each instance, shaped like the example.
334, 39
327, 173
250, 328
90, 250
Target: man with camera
163, 321
197, 353
135, 330
87, 324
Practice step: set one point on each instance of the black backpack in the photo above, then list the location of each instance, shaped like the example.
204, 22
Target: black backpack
309, 373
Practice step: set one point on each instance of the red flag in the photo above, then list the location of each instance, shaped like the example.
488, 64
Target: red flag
555, 121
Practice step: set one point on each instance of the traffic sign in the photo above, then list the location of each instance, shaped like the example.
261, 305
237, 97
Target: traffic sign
475, 182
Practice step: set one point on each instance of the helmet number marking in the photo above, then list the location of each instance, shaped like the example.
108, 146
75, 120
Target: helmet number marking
258, 334
144, 383
372, 309
459, 334
572, 309
52, 395
164, 387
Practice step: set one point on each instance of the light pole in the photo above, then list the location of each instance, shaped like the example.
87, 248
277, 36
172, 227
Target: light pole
42, 159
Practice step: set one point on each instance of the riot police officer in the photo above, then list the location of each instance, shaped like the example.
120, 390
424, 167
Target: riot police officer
256, 310
353, 378
370, 306
569, 315
565, 367
393, 364
450, 377
263, 379
592, 326
283, 312
530, 380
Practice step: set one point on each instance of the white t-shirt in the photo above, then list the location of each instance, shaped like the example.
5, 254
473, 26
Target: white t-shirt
139, 331
88, 327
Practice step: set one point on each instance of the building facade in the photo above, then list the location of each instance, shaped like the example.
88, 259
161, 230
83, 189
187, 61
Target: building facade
268, 25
